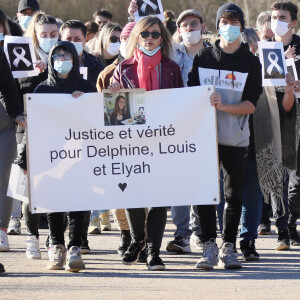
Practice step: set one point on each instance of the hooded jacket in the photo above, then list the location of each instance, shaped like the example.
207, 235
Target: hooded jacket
237, 77
74, 82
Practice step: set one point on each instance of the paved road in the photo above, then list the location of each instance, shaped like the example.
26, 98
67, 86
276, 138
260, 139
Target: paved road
275, 276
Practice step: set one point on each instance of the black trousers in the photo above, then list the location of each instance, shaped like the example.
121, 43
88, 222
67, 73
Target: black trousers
233, 160
57, 223
156, 223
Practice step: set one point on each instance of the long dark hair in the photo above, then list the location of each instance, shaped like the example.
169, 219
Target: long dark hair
117, 108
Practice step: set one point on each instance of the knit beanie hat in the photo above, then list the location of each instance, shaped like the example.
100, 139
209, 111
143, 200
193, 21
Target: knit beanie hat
230, 7
127, 29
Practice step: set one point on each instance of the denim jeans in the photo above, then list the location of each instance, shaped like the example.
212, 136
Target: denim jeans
96, 214
16, 211
252, 203
181, 219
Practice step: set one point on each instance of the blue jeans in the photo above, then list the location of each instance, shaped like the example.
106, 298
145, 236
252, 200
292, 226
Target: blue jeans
252, 203
281, 210
96, 214
181, 219
16, 211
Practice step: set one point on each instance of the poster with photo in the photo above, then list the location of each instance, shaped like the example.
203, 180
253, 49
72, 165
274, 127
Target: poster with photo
291, 68
21, 56
149, 7
124, 108
271, 55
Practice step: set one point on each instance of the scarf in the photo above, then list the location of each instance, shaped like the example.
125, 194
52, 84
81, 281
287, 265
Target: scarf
276, 142
146, 69
41, 55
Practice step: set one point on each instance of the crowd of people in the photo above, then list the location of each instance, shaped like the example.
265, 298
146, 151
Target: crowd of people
258, 127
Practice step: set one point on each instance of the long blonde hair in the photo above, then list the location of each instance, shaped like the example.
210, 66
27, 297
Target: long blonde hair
102, 40
39, 18
143, 25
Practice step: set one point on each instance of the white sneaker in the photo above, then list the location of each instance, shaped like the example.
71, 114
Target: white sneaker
4, 244
74, 261
228, 258
105, 221
57, 256
196, 243
94, 226
33, 248
14, 226
209, 257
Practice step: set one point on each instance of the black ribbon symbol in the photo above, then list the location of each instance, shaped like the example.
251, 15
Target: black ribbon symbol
20, 57
148, 2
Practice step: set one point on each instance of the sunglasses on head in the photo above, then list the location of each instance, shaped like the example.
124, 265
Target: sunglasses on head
114, 39
155, 34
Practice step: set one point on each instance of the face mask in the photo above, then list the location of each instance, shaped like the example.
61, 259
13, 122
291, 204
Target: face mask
123, 49
46, 44
113, 49
149, 53
279, 28
230, 33
191, 38
24, 21
79, 47
1, 36
63, 66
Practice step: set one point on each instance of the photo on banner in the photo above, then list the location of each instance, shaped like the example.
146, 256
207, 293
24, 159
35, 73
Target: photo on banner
124, 108
291, 68
21, 56
272, 59
149, 7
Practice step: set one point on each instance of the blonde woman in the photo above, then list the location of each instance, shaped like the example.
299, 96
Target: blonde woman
147, 66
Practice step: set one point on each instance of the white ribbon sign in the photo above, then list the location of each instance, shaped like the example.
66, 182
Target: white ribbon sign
274, 63
20, 57
146, 3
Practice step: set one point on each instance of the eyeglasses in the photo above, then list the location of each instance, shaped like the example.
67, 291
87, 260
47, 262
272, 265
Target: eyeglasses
60, 56
114, 39
193, 24
155, 34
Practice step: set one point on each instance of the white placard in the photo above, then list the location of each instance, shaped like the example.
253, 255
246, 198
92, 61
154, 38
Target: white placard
83, 71
21, 56
291, 68
149, 7
272, 59
18, 184
168, 158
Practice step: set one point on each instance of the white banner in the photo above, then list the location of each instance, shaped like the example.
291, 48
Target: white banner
165, 153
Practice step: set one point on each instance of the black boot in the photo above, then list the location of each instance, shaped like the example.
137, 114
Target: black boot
2, 270
124, 242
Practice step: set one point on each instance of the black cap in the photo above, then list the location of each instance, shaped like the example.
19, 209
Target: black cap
230, 7
24, 4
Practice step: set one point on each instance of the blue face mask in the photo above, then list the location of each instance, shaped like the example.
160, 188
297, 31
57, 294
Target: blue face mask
149, 53
1, 37
24, 21
230, 33
63, 66
46, 44
79, 47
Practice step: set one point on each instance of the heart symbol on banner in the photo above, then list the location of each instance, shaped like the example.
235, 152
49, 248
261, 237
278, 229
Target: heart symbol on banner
122, 186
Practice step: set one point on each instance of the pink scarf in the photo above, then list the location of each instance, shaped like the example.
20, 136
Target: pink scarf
146, 69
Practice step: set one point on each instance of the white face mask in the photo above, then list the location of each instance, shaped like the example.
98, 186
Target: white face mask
279, 28
123, 49
113, 49
191, 38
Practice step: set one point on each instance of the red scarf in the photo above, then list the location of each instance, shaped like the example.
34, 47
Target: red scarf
146, 69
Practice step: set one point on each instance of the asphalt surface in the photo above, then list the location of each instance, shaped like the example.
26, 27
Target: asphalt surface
275, 276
